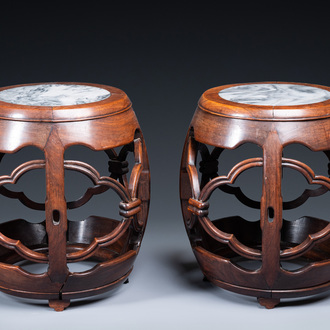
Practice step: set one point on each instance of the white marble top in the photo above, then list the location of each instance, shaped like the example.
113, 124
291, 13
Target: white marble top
275, 94
53, 95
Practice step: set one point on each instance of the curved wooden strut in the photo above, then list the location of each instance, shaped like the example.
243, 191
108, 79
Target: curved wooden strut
119, 174
209, 170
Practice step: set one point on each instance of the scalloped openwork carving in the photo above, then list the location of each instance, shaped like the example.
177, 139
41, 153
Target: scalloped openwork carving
312, 179
129, 206
198, 204
210, 181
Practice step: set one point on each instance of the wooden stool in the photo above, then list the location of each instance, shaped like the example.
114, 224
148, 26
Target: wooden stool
272, 116
53, 117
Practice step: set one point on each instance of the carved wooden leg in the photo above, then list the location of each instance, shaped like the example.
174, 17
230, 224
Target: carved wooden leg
58, 304
271, 209
269, 303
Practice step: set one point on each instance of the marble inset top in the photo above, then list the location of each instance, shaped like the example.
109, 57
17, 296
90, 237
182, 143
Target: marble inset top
275, 94
53, 95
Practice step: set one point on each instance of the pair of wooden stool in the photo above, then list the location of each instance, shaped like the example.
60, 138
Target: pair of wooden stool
56, 116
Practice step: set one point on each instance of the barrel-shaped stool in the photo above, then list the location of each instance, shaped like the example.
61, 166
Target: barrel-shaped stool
271, 115
53, 117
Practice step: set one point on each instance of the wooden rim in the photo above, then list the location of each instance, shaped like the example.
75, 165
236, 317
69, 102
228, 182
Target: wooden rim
117, 102
211, 102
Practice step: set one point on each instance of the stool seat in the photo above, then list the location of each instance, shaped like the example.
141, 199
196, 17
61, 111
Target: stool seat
53, 117
54, 102
276, 101
271, 115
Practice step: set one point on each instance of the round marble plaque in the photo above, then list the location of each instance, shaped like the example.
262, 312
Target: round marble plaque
275, 94
53, 95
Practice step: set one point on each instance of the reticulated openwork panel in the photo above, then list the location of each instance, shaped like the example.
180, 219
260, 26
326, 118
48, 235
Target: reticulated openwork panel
22, 195
103, 240
214, 185
286, 251
236, 245
122, 180
305, 191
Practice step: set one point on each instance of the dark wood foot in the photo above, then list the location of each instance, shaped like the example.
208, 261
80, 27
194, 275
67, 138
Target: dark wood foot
59, 305
205, 279
127, 281
269, 303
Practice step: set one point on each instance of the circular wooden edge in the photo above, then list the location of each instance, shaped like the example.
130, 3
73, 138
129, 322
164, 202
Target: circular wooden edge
67, 295
211, 102
280, 294
261, 292
117, 102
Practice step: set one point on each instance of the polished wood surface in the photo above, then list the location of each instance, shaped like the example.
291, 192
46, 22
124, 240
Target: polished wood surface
114, 244
220, 244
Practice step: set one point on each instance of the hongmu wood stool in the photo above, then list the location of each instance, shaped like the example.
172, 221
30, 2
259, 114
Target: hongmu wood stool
269, 116
53, 117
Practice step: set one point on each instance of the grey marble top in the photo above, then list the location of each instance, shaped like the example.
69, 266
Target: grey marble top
275, 94
53, 95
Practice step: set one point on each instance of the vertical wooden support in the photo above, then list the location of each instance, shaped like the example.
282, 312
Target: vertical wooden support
271, 208
144, 186
55, 205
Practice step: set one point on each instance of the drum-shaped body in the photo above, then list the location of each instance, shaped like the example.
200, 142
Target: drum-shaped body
53, 118
250, 256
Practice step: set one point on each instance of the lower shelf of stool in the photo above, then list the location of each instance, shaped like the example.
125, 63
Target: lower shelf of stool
226, 269
111, 264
